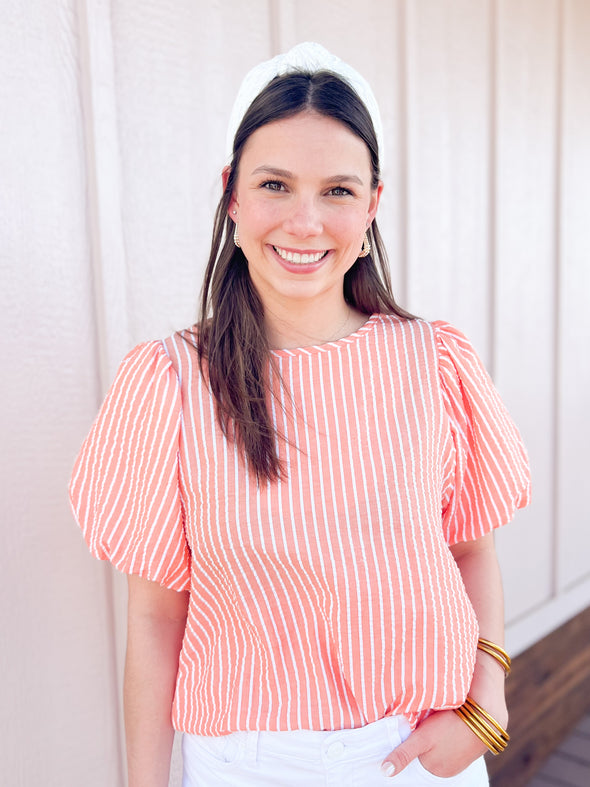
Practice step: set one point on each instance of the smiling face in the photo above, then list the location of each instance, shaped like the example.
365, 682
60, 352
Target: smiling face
303, 201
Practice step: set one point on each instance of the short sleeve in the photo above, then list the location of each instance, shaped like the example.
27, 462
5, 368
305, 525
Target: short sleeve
486, 475
124, 488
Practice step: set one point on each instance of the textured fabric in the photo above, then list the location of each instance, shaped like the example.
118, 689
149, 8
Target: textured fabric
308, 57
330, 600
347, 758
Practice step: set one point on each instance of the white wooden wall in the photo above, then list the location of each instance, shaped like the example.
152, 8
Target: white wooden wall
112, 121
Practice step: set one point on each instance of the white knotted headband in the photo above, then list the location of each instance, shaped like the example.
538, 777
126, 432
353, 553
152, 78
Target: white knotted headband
308, 57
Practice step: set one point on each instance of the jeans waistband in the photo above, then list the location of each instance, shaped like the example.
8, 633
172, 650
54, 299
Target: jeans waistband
313, 745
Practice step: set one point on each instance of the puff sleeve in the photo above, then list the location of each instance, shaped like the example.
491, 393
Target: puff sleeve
124, 487
486, 474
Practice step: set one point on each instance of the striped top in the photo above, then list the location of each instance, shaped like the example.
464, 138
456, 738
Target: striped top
330, 599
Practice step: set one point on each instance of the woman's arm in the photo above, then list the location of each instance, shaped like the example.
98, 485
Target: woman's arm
479, 568
444, 743
156, 622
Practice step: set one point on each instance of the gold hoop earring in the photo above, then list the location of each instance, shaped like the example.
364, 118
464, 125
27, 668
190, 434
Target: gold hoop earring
237, 237
366, 249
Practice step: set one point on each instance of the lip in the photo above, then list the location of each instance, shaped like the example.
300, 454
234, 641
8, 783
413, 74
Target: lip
299, 267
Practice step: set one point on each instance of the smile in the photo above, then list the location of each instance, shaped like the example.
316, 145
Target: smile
300, 258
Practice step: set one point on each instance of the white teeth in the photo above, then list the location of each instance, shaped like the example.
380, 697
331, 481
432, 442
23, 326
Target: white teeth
297, 258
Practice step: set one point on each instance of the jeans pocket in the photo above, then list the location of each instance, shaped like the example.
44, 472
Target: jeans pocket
221, 751
475, 775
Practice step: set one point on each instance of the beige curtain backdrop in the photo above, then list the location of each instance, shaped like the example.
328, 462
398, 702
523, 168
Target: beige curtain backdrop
112, 121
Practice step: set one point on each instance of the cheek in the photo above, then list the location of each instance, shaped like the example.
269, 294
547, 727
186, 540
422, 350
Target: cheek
347, 225
257, 218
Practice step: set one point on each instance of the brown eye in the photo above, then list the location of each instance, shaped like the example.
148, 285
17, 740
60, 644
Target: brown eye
273, 185
340, 191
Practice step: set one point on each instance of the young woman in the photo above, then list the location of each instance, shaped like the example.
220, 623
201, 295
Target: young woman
303, 488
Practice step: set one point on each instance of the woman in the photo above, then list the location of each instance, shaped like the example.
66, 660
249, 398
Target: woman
303, 489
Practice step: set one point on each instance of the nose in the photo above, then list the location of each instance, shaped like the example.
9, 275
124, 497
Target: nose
303, 219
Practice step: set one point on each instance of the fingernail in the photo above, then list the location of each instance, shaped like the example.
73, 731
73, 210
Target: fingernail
388, 768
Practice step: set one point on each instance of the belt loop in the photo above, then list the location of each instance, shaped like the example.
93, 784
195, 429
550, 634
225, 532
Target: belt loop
251, 745
393, 724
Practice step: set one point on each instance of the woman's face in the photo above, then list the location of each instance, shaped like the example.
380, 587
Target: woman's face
303, 202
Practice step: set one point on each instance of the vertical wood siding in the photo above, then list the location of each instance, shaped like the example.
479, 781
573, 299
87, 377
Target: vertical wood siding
572, 330
111, 150
527, 87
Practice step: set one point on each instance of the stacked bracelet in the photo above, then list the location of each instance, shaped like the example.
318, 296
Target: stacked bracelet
475, 717
483, 725
496, 652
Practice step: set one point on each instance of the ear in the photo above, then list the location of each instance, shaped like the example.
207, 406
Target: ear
225, 176
233, 205
374, 203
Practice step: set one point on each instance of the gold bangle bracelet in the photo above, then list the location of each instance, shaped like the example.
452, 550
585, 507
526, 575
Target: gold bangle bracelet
496, 652
483, 725
488, 742
498, 739
504, 664
492, 730
474, 707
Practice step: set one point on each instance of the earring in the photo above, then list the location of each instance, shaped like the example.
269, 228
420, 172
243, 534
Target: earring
237, 237
366, 249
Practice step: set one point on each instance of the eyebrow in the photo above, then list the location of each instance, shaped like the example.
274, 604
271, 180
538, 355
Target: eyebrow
284, 173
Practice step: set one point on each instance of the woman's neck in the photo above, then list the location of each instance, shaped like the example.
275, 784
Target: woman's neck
306, 326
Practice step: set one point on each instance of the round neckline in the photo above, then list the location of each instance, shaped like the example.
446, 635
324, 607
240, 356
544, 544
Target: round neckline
328, 346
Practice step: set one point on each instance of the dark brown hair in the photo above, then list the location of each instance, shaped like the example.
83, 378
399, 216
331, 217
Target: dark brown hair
230, 338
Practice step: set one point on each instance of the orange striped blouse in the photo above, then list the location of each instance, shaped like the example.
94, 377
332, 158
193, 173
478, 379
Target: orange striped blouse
331, 599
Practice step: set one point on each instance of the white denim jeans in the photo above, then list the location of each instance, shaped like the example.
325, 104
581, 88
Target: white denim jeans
305, 758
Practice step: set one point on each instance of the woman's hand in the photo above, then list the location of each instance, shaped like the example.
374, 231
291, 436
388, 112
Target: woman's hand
444, 744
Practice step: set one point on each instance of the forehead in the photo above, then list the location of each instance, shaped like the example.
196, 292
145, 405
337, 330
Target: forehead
306, 137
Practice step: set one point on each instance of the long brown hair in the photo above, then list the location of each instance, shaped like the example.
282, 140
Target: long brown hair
230, 338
